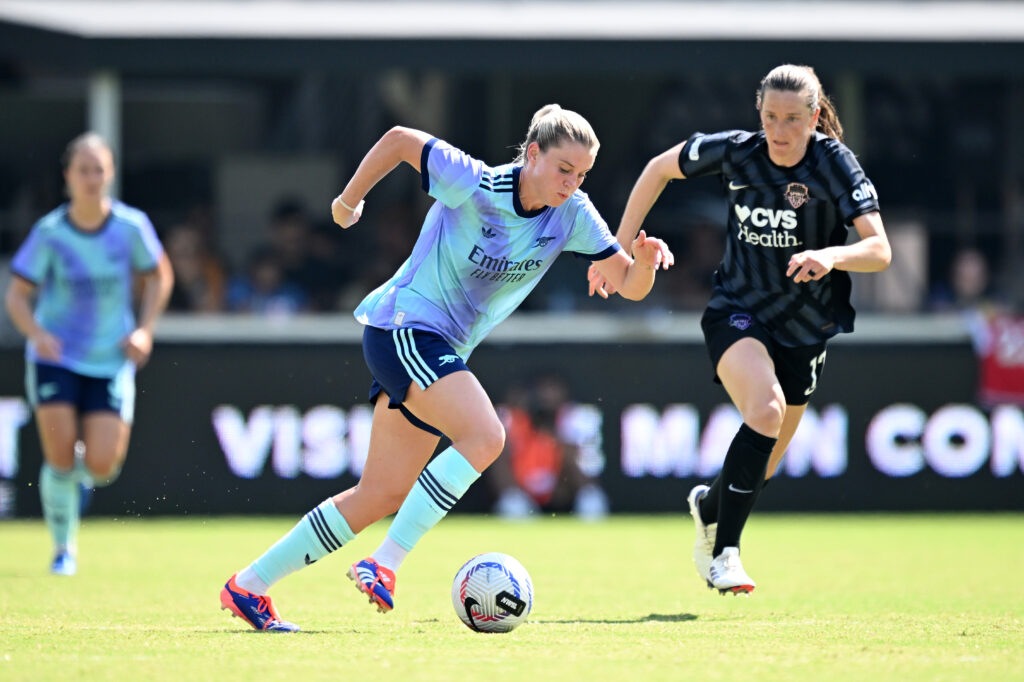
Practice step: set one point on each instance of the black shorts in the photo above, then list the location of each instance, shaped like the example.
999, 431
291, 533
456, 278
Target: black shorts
798, 368
399, 357
45, 383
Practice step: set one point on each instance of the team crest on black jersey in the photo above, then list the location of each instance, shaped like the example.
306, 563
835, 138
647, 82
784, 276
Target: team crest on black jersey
797, 194
740, 320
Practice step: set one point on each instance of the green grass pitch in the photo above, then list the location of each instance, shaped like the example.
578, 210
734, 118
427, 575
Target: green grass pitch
845, 597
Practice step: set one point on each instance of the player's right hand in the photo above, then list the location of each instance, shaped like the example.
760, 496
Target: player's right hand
47, 345
598, 284
343, 216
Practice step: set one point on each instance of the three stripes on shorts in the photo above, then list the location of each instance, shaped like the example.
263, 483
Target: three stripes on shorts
413, 362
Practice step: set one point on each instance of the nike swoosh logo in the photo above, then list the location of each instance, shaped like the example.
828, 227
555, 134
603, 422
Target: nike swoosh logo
308, 562
737, 490
468, 605
733, 185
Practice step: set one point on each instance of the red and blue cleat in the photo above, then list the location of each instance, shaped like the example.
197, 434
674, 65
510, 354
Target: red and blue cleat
375, 581
256, 610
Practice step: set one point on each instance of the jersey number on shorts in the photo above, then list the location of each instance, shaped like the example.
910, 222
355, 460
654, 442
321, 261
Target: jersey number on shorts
817, 364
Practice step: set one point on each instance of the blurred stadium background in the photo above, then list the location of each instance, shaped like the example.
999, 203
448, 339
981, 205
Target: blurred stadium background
235, 122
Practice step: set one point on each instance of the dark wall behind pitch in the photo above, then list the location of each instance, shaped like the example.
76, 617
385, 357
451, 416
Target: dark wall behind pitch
177, 465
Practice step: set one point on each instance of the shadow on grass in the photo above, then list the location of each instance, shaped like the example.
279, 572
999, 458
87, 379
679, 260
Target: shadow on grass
651, 618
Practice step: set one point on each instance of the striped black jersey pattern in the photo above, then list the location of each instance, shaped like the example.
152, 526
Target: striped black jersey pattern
775, 212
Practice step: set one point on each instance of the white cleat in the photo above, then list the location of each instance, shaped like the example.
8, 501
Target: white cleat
727, 574
705, 542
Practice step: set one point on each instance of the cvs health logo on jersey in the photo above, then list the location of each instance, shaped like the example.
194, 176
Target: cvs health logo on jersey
770, 219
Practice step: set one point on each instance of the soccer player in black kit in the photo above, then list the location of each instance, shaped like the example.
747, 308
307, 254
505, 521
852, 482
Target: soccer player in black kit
782, 288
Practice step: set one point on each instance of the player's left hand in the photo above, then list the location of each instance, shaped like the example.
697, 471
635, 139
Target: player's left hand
137, 346
810, 265
652, 252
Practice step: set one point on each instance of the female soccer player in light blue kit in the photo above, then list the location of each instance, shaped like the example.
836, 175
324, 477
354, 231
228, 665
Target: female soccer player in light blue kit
84, 343
486, 242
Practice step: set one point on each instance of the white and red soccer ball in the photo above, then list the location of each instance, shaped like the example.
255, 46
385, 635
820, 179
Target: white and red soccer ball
492, 592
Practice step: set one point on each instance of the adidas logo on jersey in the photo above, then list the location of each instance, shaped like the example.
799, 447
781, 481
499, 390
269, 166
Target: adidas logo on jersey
865, 191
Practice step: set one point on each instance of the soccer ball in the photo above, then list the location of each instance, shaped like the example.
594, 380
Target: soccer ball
492, 592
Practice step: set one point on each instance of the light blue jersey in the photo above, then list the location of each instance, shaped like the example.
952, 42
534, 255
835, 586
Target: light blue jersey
479, 252
84, 281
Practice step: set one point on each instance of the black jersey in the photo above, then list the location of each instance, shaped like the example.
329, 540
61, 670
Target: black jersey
775, 212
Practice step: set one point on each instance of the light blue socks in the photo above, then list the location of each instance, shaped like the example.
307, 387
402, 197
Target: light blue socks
59, 494
319, 533
324, 529
439, 487
91, 480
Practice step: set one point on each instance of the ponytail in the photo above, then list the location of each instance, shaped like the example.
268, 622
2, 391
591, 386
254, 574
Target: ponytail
828, 119
552, 125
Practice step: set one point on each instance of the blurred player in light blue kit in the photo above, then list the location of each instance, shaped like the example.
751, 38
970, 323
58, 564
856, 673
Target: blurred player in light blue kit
84, 343
485, 243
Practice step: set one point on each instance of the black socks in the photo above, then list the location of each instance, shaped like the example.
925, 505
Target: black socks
732, 495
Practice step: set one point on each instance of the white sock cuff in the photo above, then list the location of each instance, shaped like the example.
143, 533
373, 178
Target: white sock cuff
390, 554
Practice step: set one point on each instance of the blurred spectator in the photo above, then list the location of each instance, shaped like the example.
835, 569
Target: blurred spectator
263, 288
372, 253
199, 215
998, 337
326, 274
539, 467
996, 328
969, 284
199, 277
291, 240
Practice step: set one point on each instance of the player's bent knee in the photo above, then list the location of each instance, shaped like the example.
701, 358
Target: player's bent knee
102, 476
485, 447
766, 418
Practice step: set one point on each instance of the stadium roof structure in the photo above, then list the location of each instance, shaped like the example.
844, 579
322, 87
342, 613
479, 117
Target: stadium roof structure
488, 36
874, 20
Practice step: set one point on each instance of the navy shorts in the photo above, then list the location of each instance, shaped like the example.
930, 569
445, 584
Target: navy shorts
52, 384
798, 368
399, 357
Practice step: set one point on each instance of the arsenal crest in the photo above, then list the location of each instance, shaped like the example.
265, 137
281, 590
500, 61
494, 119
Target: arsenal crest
796, 194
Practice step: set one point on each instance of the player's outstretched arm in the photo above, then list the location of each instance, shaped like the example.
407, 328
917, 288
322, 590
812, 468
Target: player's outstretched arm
633, 277
652, 181
397, 145
659, 171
